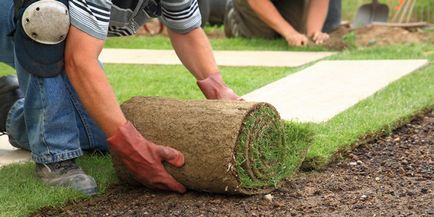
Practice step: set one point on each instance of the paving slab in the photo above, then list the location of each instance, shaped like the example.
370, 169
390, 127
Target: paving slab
318, 93
223, 58
10, 155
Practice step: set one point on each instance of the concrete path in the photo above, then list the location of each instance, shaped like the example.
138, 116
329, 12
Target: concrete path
10, 155
327, 88
223, 58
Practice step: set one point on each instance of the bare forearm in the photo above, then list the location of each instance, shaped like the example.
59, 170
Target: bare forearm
97, 96
92, 85
195, 52
316, 15
269, 14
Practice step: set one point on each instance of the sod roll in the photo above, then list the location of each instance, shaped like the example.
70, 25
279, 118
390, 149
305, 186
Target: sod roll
229, 147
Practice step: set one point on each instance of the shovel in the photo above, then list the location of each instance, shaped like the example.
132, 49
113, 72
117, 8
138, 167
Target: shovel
369, 13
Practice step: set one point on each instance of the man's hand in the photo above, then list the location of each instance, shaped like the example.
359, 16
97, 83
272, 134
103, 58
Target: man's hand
213, 87
144, 158
320, 37
296, 39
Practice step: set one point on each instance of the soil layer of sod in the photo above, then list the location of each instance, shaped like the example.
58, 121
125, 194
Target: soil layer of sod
389, 176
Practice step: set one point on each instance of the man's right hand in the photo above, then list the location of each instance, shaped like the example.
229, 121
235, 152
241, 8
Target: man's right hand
144, 158
296, 39
213, 87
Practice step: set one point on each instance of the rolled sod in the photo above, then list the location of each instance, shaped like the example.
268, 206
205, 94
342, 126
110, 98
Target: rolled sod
229, 147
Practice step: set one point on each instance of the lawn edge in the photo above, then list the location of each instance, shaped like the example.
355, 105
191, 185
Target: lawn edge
320, 163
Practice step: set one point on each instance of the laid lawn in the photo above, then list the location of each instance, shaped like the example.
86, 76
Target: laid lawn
21, 193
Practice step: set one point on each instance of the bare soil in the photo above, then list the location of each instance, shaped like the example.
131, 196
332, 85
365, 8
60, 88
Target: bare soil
388, 176
373, 36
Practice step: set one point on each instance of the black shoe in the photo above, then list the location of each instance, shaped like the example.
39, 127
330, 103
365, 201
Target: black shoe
9, 94
66, 174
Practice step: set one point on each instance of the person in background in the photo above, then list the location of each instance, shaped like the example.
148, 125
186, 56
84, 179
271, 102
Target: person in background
297, 21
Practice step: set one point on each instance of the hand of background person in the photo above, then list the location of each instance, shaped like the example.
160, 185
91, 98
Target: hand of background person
320, 37
144, 159
296, 39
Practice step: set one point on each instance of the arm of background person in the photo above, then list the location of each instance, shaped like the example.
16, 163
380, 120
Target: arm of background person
269, 14
316, 16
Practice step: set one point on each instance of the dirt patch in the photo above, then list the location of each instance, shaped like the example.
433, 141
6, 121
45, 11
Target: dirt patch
372, 36
389, 176
380, 35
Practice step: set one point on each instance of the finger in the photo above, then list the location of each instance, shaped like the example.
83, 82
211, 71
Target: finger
291, 42
167, 182
176, 186
161, 180
172, 156
324, 37
315, 37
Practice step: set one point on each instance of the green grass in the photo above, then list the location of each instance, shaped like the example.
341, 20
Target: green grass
6, 70
21, 193
177, 82
162, 42
269, 150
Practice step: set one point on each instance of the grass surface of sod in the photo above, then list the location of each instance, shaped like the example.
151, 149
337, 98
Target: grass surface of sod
21, 193
264, 160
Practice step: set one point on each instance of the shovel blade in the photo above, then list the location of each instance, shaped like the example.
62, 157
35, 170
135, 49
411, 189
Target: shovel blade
370, 13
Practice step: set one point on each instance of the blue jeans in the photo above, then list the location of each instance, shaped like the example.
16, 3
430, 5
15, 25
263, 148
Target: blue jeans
50, 120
